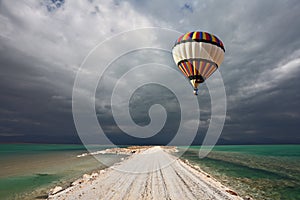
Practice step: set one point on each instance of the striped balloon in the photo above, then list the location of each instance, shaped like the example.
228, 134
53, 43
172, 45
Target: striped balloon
198, 55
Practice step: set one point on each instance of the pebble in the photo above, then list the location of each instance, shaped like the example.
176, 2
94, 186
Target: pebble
86, 176
77, 182
55, 190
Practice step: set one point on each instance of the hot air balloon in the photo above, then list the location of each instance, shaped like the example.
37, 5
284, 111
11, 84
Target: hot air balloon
198, 55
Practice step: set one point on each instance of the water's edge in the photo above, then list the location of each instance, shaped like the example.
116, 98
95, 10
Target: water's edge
256, 171
268, 172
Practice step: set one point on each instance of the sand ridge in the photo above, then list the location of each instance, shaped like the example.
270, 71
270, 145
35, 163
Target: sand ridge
149, 174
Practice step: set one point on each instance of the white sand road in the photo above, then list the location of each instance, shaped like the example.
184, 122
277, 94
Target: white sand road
151, 174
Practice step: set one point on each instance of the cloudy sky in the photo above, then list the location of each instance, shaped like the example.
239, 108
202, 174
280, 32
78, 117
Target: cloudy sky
43, 44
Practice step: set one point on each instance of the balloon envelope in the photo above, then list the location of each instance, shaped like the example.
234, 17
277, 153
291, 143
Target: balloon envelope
198, 55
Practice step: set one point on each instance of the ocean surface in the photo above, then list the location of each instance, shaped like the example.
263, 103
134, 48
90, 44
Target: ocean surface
29, 171
270, 172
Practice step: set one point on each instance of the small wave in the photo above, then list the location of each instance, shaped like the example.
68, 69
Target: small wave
93, 153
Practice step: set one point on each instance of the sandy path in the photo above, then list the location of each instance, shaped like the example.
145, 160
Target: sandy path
152, 174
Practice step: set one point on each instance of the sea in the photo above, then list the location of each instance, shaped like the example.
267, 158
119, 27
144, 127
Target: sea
29, 171
262, 172
270, 172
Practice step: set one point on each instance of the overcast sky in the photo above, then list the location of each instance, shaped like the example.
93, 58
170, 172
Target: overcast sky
42, 45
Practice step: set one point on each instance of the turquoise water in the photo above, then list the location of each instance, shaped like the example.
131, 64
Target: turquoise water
28, 171
270, 172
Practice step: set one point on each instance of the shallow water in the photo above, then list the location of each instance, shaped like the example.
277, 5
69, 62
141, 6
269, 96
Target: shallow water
28, 171
261, 171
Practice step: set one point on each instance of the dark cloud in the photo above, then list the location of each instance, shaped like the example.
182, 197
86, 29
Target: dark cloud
32, 109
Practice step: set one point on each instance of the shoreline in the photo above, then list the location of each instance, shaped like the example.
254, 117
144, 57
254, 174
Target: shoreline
99, 183
259, 172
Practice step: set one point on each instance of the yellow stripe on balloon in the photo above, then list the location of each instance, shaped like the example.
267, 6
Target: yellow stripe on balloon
195, 66
195, 35
186, 36
204, 36
213, 38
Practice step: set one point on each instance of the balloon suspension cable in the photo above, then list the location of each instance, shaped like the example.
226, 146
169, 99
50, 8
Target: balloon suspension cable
195, 91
